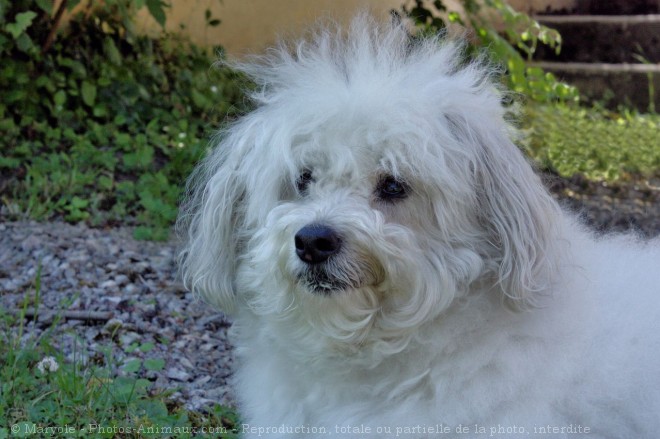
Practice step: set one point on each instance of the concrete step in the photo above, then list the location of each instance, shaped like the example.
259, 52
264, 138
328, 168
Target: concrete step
610, 7
603, 38
628, 84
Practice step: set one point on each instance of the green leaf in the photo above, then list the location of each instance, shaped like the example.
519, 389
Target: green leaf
46, 6
46, 82
201, 100
455, 17
157, 11
59, 97
154, 364
22, 78
105, 183
88, 92
141, 385
23, 21
14, 96
100, 110
79, 203
153, 408
123, 389
132, 365
77, 68
146, 347
24, 43
104, 81
126, 189
7, 125
111, 51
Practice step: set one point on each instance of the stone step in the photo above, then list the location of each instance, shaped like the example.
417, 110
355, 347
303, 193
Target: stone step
609, 7
628, 84
603, 38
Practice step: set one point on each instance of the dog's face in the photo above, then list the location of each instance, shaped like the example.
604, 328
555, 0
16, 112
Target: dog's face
374, 185
363, 226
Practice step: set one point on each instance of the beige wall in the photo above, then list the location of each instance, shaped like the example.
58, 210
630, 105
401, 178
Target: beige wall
249, 26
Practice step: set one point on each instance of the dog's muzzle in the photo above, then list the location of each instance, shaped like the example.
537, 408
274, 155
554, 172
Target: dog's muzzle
316, 244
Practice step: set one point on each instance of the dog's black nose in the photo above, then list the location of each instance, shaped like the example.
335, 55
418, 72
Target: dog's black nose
315, 243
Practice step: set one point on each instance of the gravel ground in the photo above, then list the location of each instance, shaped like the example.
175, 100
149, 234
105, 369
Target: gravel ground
127, 293
631, 205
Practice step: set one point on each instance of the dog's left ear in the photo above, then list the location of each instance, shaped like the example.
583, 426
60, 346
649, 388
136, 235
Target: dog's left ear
519, 216
209, 222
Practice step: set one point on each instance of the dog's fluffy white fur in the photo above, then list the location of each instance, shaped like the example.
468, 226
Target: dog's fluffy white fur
392, 262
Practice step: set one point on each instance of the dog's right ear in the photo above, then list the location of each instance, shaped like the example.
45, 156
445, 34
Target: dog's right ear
521, 220
210, 218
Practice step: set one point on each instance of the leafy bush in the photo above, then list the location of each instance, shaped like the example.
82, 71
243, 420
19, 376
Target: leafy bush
520, 35
101, 124
600, 144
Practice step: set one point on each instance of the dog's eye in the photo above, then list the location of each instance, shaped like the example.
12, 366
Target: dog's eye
303, 181
389, 189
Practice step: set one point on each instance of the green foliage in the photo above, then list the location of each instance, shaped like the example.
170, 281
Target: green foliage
561, 136
600, 144
520, 35
101, 124
43, 394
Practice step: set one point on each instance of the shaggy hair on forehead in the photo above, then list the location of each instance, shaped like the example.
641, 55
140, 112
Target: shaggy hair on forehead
367, 68
390, 258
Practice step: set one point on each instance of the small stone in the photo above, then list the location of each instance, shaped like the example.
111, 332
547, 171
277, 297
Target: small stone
177, 375
109, 285
131, 289
125, 340
199, 382
121, 279
30, 243
207, 346
186, 363
115, 300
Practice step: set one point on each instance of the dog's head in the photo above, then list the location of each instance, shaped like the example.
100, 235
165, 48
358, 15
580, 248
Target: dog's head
374, 184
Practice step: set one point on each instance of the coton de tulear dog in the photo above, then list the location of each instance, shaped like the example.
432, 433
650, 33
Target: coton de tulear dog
394, 266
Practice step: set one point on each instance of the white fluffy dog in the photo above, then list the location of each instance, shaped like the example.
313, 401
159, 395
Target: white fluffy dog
393, 265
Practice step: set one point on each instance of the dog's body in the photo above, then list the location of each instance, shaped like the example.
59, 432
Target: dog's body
585, 361
394, 265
